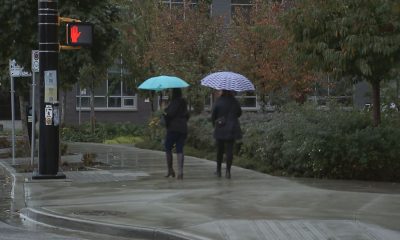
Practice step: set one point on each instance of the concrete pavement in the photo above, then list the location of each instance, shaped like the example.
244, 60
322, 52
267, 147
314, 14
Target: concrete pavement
133, 199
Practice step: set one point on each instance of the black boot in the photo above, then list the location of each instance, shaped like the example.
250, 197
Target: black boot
228, 173
218, 171
228, 168
171, 172
180, 160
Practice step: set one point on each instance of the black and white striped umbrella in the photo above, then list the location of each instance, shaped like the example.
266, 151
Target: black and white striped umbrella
228, 81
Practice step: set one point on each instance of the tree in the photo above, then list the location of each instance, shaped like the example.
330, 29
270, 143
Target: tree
136, 35
259, 48
358, 39
186, 43
17, 31
18, 28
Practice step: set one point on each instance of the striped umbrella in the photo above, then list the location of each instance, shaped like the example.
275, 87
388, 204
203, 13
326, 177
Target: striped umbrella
228, 81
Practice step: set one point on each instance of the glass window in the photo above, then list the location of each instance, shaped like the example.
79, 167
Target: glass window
114, 102
113, 94
100, 102
114, 86
127, 90
83, 102
128, 102
241, 9
248, 101
178, 6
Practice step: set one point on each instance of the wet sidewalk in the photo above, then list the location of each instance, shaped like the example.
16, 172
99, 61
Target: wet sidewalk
133, 199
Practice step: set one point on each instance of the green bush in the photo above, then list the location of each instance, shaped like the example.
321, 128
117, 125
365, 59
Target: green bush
103, 131
4, 143
200, 132
335, 143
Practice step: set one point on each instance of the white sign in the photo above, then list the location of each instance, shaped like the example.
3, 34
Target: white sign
48, 115
50, 86
35, 61
17, 71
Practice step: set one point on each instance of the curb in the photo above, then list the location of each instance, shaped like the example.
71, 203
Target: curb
44, 217
55, 220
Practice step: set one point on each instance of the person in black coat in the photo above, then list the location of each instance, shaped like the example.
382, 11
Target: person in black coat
225, 118
176, 116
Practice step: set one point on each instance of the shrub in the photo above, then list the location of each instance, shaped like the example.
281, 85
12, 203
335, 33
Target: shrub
200, 132
103, 131
333, 143
4, 143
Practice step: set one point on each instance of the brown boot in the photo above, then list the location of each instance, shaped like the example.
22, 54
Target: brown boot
171, 172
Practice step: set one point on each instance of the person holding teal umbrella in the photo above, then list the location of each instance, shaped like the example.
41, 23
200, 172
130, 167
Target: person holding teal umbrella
176, 117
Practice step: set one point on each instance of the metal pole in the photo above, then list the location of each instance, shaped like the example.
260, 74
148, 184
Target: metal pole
12, 119
80, 105
49, 146
33, 119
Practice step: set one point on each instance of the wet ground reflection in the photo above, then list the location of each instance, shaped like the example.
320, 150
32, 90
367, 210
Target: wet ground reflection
6, 213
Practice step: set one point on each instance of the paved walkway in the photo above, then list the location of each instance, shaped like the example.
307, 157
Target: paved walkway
133, 199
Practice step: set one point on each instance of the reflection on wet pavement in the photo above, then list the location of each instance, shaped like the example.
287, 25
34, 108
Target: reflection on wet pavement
350, 186
5, 200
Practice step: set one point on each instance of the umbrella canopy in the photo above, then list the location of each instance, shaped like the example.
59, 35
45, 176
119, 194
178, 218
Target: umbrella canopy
163, 82
227, 81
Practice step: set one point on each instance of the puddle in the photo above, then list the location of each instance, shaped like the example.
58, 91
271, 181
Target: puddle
6, 213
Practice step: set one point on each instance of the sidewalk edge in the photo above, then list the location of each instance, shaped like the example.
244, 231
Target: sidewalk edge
44, 217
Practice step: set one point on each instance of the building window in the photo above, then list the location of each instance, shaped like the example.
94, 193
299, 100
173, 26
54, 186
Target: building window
248, 101
178, 7
112, 95
241, 9
179, 3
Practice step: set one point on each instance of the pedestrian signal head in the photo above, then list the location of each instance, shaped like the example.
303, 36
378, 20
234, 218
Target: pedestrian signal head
79, 34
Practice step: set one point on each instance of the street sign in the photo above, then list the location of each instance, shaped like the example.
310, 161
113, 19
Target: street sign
50, 86
35, 61
48, 112
79, 34
17, 71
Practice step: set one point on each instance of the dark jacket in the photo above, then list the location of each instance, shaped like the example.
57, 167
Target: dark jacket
177, 116
228, 108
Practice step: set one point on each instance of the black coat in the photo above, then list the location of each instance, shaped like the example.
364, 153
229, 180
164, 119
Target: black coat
177, 116
229, 109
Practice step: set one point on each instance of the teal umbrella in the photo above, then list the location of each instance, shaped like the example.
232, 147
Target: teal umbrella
163, 82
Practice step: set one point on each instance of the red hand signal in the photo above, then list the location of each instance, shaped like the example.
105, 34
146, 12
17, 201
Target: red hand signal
75, 34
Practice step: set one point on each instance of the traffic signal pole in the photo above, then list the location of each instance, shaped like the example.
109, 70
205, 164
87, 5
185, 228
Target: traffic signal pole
48, 83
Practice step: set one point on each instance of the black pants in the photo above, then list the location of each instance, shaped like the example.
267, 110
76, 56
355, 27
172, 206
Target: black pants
225, 146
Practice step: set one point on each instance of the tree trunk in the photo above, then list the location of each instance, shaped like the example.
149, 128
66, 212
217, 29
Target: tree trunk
376, 103
24, 123
92, 116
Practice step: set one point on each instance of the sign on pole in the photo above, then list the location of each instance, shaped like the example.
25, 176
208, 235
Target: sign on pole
17, 71
35, 61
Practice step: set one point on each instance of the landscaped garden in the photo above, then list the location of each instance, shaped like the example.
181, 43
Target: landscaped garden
302, 141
